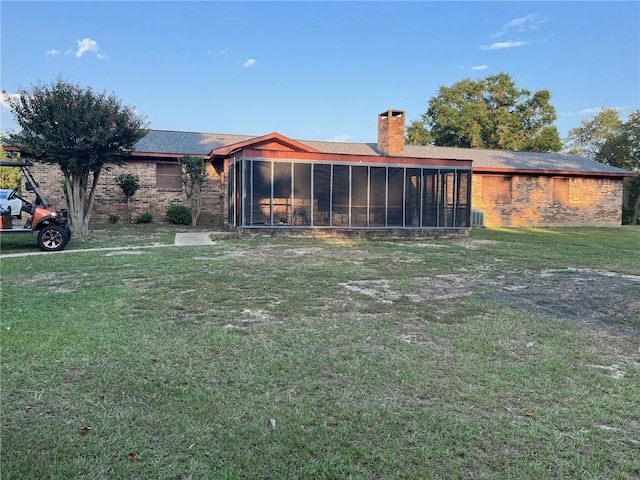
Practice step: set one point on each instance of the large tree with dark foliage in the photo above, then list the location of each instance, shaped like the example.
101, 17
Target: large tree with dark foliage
80, 130
490, 113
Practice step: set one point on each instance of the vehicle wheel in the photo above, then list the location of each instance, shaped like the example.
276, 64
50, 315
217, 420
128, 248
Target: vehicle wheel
68, 230
52, 238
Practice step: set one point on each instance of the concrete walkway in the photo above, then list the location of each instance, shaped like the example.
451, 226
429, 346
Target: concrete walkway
201, 238
181, 239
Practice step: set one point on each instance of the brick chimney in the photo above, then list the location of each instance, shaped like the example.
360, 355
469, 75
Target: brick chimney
391, 132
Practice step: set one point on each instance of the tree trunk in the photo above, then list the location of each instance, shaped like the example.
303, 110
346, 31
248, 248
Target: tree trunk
129, 209
196, 207
80, 200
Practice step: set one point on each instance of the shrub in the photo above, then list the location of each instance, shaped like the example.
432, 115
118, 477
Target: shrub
179, 215
144, 218
129, 183
114, 217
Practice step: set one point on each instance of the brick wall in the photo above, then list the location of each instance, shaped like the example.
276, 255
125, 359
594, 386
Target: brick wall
391, 126
110, 199
536, 201
532, 203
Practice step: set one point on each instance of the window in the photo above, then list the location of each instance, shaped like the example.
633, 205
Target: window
561, 191
260, 186
321, 194
395, 197
378, 197
340, 196
168, 176
496, 189
464, 199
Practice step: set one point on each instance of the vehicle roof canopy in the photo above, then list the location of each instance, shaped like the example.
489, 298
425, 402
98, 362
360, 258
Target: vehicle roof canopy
9, 163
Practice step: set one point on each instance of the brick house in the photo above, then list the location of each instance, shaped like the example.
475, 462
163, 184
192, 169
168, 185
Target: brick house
273, 181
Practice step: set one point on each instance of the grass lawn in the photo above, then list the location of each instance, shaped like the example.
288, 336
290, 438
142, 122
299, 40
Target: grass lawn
514, 353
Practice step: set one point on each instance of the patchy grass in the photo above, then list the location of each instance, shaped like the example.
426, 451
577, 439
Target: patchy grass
511, 354
103, 236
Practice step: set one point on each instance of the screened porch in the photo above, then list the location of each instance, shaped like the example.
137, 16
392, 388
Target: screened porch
305, 194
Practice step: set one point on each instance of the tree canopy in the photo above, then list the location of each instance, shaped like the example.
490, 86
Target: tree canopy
194, 177
78, 129
129, 183
9, 176
489, 113
588, 139
608, 139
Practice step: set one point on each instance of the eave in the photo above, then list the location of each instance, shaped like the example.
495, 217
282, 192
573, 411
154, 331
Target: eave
164, 155
547, 172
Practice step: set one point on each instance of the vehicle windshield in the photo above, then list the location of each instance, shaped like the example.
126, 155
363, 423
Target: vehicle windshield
43, 198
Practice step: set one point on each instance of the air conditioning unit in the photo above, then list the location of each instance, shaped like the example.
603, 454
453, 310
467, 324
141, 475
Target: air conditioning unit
477, 218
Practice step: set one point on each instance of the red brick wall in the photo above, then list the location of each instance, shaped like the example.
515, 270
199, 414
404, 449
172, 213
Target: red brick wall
391, 125
589, 202
149, 198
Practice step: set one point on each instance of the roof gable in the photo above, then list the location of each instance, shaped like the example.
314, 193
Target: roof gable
271, 141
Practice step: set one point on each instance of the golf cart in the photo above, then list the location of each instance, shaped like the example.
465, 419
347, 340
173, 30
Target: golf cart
51, 225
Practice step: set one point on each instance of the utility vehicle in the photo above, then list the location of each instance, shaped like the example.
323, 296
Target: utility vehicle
53, 231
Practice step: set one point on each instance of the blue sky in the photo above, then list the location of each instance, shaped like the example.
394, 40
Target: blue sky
320, 70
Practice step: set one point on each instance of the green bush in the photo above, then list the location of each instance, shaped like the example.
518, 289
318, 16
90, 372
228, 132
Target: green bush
144, 218
179, 215
114, 217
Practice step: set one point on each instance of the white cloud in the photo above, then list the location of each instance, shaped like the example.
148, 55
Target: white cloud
588, 111
480, 67
224, 52
529, 22
87, 45
53, 52
501, 45
249, 63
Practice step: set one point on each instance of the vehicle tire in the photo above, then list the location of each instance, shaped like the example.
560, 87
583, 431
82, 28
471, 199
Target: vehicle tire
68, 230
52, 238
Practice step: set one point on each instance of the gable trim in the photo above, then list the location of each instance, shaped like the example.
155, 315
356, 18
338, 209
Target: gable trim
270, 138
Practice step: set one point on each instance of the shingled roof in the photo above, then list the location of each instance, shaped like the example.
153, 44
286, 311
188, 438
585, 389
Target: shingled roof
167, 142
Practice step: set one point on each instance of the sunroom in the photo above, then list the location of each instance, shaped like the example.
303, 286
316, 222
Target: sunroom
268, 193
271, 188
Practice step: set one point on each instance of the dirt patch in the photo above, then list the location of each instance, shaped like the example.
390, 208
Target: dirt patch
578, 295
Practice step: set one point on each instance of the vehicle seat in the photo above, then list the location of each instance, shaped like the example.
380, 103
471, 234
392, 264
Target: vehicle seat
5, 214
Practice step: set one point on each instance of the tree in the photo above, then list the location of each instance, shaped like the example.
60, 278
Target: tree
194, 177
129, 183
589, 138
78, 129
9, 176
417, 134
608, 139
622, 150
491, 113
